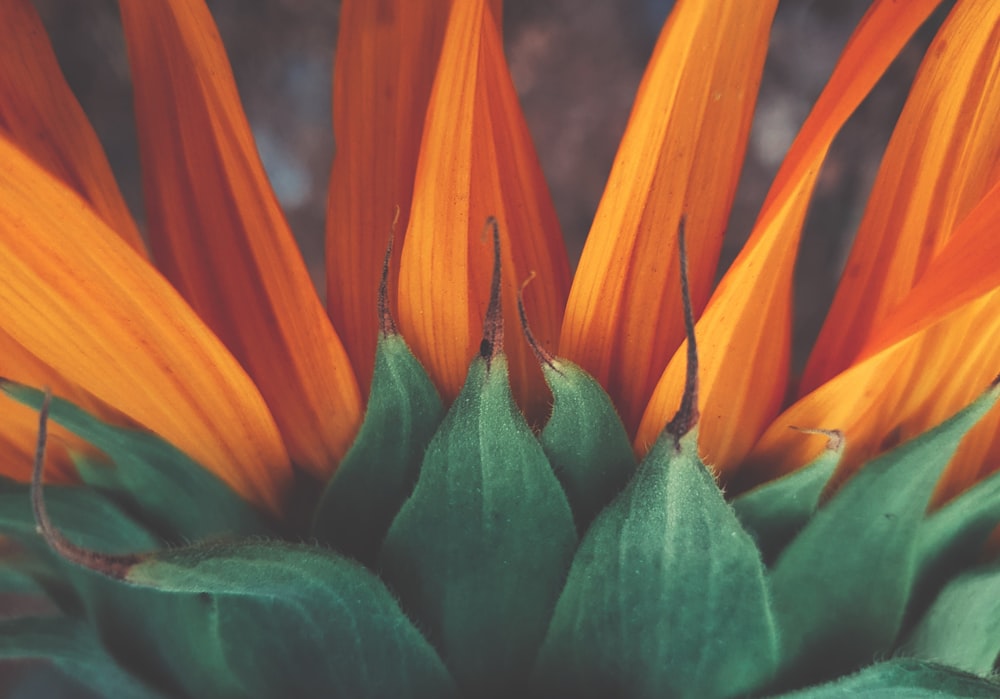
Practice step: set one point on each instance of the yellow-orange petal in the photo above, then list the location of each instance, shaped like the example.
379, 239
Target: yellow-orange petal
39, 113
219, 235
898, 393
744, 333
682, 153
83, 302
387, 54
476, 159
944, 154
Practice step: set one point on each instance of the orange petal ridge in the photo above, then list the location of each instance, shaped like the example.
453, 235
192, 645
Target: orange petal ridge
387, 52
219, 235
682, 153
744, 334
943, 156
83, 302
476, 159
40, 114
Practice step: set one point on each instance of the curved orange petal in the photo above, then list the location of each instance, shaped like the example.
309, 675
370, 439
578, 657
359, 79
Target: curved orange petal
387, 53
78, 298
944, 154
476, 159
39, 113
743, 336
218, 232
898, 393
682, 153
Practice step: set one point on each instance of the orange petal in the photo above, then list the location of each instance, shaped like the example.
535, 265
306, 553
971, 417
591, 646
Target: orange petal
78, 298
387, 54
942, 158
681, 154
39, 113
476, 159
743, 336
219, 234
898, 393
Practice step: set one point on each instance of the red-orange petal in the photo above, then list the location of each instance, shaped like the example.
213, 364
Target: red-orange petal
220, 236
39, 113
744, 333
78, 298
476, 159
387, 54
943, 156
682, 153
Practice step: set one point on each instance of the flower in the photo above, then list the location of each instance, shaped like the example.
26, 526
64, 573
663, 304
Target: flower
222, 348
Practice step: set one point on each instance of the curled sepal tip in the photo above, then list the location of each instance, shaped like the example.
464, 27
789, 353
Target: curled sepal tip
387, 323
492, 344
112, 565
686, 417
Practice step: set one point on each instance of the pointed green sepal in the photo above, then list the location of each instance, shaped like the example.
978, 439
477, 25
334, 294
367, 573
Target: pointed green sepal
903, 678
585, 441
379, 471
775, 511
479, 552
842, 585
962, 626
177, 497
73, 647
289, 620
666, 595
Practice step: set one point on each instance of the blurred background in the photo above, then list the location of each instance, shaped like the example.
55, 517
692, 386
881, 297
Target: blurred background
576, 65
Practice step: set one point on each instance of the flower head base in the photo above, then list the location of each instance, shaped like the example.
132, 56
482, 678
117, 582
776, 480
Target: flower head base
458, 548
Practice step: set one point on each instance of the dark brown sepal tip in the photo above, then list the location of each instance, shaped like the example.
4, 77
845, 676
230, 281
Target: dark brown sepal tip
543, 355
834, 438
387, 324
687, 415
492, 343
113, 566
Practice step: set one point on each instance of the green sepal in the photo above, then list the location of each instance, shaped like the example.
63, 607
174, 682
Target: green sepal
775, 511
479, 552
903, 678
285, 620
585, 441
842, 585
378, 472
72, 646
84, 516
666, 595
962, 626
954, 535
176, 497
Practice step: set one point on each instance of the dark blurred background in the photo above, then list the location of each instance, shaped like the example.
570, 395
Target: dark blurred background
576, 64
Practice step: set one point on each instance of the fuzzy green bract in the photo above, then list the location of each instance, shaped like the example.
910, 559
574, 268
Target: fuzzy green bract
585, 441
481, 588
479, 552
666, 596
378, 472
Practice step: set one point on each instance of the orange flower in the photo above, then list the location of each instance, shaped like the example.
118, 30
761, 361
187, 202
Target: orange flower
224, 349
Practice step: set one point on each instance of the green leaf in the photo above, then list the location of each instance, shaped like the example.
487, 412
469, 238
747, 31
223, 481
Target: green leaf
285, 620
903, 678
775, 511
480, 550
842, 585
962, 626
955, 534
177, 497
379, 471
666, 595
71, 645
585, 441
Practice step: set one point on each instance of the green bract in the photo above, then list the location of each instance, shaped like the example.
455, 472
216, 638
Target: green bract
476, 584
